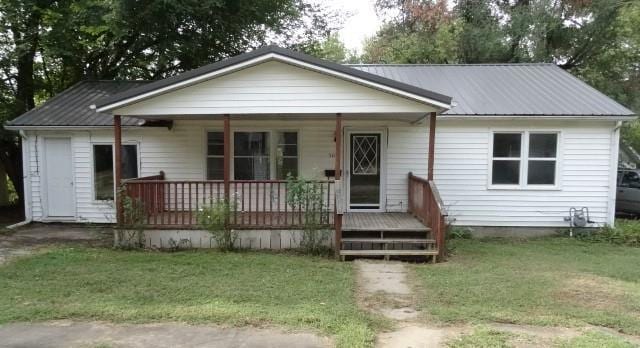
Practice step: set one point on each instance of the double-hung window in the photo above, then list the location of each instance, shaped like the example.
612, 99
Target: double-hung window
524, 159
103, 176
257, 155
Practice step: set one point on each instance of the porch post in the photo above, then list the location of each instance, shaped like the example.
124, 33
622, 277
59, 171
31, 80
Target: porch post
337, 218
117, 129
432, 144
227, 157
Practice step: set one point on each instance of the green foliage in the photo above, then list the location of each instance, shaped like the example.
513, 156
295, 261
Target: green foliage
625, 232
334, 50
233, 289
307, 196
215, 219
130, 234
13, 195
599, 41
457, 232
594, 339
481, 338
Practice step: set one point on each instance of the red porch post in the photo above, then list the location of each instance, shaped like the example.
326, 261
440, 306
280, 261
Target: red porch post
117, 129
227, 157
337, 218
432, 144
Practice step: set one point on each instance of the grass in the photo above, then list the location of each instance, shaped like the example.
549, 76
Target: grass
550, 281
247, 288
481, 338
594, 340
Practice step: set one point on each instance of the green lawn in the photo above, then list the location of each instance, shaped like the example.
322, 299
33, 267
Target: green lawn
195, 287
551, 281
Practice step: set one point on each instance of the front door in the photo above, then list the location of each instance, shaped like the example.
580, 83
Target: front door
365, 170
59, 178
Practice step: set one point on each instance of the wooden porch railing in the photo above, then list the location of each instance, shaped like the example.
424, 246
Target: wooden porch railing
254, 204
425, 204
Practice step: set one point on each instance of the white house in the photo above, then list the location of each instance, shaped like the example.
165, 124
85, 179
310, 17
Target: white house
516, 145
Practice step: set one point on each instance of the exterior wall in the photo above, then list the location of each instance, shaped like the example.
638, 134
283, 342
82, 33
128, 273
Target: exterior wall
586, 160
273, 87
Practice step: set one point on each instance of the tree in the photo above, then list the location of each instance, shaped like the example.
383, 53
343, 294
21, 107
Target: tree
47, 45
333, 49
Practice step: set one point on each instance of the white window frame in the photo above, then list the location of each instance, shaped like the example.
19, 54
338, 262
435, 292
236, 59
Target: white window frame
524, 160
273, 144
93, 167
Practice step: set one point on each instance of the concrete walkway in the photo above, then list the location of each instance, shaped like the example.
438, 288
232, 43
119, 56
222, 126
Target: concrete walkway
384, 289
103, 335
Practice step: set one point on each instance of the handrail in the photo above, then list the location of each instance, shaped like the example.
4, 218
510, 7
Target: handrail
426, 204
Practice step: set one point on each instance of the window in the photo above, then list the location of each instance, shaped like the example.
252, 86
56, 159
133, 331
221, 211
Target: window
524, 158
251, 156
103, 176
542, 159
506, 158
215, 156
287, 155
630, 179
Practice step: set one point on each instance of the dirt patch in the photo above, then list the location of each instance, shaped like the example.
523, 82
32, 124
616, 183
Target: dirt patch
27, 239
98, 334
592, 291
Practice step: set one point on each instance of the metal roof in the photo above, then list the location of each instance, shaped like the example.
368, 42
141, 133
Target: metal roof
71, 107
267, 50
505, 89
482, 89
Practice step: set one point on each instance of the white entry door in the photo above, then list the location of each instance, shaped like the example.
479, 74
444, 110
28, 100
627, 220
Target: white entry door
59, 178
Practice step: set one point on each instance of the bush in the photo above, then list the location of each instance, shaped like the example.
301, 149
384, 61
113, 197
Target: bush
306, 196
214, 218
130, 235
626, 232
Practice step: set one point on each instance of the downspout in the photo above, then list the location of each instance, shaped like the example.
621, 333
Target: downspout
613, 180
26, 180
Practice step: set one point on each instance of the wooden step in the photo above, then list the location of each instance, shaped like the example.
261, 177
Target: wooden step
385, 229
387, 252
389, 240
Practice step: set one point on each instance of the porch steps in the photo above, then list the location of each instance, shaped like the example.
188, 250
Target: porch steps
388, 240
386, 235
388, 252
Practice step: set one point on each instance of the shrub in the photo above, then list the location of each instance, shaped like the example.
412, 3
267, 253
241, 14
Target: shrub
306, 196
626, 232
455, 232
130, 235
214, 218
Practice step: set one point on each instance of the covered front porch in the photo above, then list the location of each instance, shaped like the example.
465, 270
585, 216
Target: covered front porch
248, 124
172, 202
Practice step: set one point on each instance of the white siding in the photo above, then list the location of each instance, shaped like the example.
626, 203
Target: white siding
273, 87
461, 167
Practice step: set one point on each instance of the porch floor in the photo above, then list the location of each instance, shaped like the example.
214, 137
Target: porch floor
356, 222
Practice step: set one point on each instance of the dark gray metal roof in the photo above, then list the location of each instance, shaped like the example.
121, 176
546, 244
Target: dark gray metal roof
375, 78
485, 89
505, 89
71, 107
